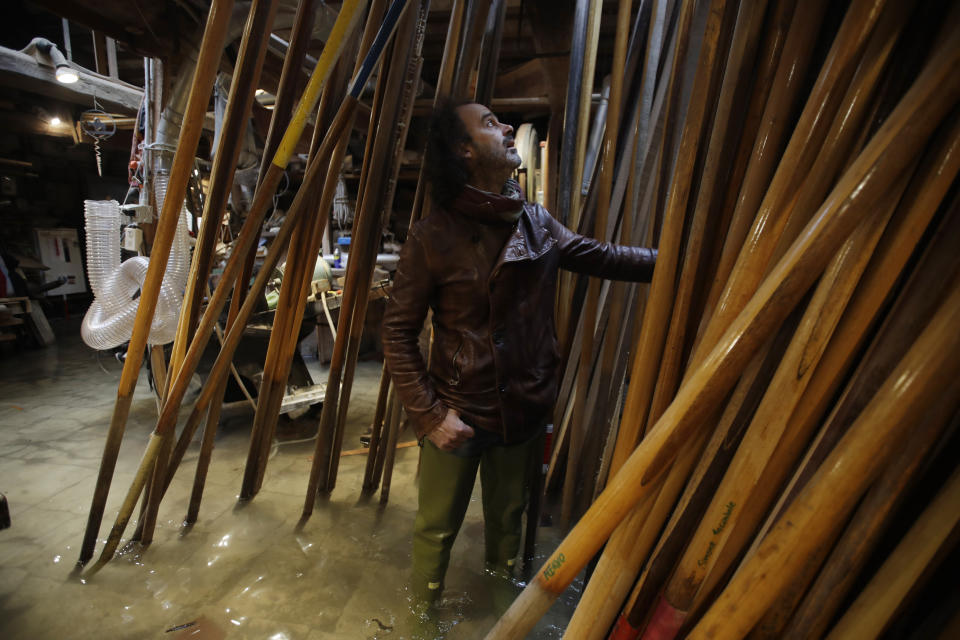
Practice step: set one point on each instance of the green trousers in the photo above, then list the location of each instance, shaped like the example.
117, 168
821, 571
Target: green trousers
446, 484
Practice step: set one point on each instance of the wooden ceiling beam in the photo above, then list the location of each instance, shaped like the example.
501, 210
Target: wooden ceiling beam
22, 71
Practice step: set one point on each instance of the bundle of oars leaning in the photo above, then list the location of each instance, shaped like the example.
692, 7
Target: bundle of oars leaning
789, 381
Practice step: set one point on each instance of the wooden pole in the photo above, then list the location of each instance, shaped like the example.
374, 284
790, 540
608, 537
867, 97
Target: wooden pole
776, 29
298, 275
584, 108
367, 230
876, 605
490, 52
823, 505
571, 120
849, 556
921, 295
393, 434
253, 49
626, 551
581, 417
784, 455
448, 64
222, 364
208, 60
171, 406
376, 431
801, 151
287, 90
732, 496
380, 458
744, 42
658, 308
376, 48
345, 23
607, 592
932, 95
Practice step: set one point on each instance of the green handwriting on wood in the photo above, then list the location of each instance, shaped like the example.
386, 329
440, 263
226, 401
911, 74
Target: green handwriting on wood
553, 566
726, 516
727, 511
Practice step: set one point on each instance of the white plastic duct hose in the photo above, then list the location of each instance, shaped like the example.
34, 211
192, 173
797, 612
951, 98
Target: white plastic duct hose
116, 287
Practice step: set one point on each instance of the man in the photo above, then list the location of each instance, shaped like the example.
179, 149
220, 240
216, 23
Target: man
486, 264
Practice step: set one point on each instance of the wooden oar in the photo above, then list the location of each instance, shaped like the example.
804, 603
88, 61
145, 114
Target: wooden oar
171, 406
345, 24
731, 497
841, 480
628, 547
833, 152
249, 64
797, 160
744, 42
365, 239
490, 52
341, 126
253, 49
771, 135
381, 454
932, 95
702, 480
850, 554
280, 117
581, 416
586, 80
387, 148
658, 308
393, 434
268, 393
776, 27
448, 66
388, 26
933, 534
208, 60
301, 260
912, 309
222, 364
571, 120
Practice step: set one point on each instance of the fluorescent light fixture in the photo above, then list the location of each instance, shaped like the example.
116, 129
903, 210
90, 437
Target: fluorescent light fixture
55, 121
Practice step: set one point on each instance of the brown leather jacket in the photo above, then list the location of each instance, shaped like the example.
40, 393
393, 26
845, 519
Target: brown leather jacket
491, 285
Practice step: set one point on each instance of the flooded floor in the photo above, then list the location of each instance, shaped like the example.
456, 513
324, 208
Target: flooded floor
243, 570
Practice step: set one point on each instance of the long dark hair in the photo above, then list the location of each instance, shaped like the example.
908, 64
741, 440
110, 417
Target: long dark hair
446, 169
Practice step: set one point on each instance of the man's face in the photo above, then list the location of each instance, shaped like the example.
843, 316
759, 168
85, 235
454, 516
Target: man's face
491, 148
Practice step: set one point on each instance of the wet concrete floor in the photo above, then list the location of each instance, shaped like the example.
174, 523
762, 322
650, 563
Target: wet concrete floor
243, 570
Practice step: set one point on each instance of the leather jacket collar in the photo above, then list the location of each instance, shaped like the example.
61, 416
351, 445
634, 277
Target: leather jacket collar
490, 208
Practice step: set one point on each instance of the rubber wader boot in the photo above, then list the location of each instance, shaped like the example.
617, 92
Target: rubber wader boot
446, 483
